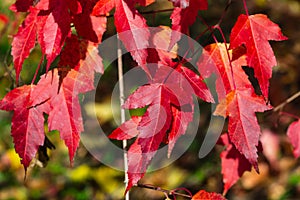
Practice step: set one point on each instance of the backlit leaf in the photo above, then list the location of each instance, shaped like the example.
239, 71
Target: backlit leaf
251, 31
27, 123
24, 41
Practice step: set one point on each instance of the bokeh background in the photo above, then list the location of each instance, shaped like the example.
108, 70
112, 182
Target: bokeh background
89, 179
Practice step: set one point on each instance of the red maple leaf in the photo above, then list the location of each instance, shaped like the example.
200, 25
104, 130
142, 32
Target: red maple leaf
169, 98
24, 41
293, 133
133, 31
203, 195
252, 32
234, 164
240, 104
27, 122
53, 27
244, 131
64, 113
170, 110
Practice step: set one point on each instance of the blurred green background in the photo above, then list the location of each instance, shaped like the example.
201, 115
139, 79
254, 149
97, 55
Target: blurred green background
89, 179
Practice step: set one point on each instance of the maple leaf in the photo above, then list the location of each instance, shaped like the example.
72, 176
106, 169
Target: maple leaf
294, 136
133, 31
27, 122
240, 103
53, 28
183, 17
65, 113
240, 106
170, 107
234, 164
24, 41
203, 195
252, 32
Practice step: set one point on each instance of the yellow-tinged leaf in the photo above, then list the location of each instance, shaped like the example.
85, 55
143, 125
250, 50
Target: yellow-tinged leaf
80, 173
14, 159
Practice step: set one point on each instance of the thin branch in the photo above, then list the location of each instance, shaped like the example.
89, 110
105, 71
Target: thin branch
289, 100
122, 110
6, 65
211, 29
168, 192
224, 12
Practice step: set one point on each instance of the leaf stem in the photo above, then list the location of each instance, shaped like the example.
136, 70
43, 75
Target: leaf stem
224, 12
245, 7
122, 110
208, 28
37, 70
227, 52
217, 26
